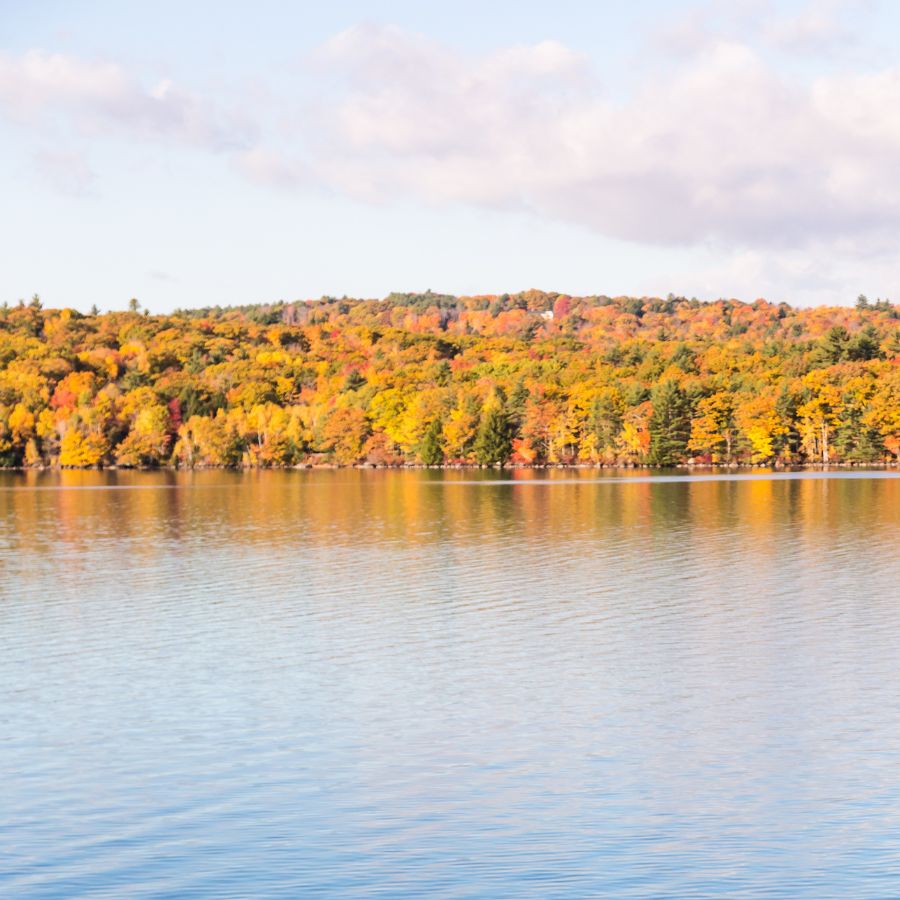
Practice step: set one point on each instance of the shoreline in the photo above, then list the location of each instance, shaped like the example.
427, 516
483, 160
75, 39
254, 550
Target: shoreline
688, 467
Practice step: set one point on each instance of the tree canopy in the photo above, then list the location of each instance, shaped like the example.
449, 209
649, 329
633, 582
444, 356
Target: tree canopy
428, 378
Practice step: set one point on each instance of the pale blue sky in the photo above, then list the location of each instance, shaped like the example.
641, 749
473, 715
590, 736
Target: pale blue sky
192, 154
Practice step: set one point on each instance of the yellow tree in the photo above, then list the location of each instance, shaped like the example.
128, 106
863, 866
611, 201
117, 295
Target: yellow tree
205, 441
461, 426
21, 428
883, 413
760, 424
634, 439
80, 450
387, 413
819, 415
564, 433
712, 429
148, 440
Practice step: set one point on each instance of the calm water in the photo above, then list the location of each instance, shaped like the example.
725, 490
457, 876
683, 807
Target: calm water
406, 684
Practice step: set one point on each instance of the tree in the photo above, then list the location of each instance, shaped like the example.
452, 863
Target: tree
354, 380
461, 427
541, 410
516, 404
787, 437
209, 441
634, 441
21, 424
883, 413
757, 418
712, 430
406, 380
855, 437
669, 424
493, 443
148, 441
865, 345
133, 305
79, 450
819, 415
344, 433
430, 450
836, 344
605, 422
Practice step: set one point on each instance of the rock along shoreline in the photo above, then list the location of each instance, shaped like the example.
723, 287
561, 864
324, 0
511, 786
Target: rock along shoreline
687, 467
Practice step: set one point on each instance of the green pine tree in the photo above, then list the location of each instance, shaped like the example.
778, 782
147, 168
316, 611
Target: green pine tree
865, 345
493, 443
431, 452
605, 420
670, 424
836, 344
517, 400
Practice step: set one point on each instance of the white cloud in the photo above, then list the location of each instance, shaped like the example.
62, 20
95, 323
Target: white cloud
820, 28
817, 28
724, 149
271, 169
101, 97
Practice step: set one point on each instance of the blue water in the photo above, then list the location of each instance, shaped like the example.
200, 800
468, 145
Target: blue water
407, 684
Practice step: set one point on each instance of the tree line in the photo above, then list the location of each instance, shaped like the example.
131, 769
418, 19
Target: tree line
529, 378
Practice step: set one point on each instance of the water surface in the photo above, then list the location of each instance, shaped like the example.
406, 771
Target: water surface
400, 684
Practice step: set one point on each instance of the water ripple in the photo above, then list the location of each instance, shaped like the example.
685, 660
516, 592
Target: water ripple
401, 684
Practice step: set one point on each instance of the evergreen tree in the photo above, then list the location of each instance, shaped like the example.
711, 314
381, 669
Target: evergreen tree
893, 344
670, 424
855, 440
606, 419
517, 401
835, 344
865, 345
493, 443
354, 380
786, 407
430, 450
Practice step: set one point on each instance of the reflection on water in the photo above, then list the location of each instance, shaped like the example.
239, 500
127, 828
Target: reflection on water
346, 683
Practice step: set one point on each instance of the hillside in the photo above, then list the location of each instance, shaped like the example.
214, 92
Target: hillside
530, 378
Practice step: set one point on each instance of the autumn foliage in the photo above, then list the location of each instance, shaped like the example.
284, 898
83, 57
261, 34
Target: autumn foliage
531, 378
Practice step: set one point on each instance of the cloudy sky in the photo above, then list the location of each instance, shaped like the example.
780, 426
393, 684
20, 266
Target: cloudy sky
190, 154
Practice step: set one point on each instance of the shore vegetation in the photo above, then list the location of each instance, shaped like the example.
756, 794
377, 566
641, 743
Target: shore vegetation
532, 378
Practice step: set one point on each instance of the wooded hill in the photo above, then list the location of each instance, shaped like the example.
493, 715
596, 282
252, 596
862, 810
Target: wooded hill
429, 378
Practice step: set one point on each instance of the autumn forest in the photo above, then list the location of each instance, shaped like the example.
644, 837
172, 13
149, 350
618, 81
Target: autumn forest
529, 379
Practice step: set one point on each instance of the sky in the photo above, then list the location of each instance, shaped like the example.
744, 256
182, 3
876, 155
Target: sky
224, 153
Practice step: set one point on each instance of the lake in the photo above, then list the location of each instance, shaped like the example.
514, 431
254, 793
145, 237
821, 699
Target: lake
449, 684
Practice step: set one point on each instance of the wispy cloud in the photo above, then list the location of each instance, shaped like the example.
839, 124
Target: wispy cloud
819, 29
273, 170
67, 173
102, 97
822, 27
162, 276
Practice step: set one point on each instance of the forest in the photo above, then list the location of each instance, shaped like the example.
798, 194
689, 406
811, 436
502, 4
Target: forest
533, 378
